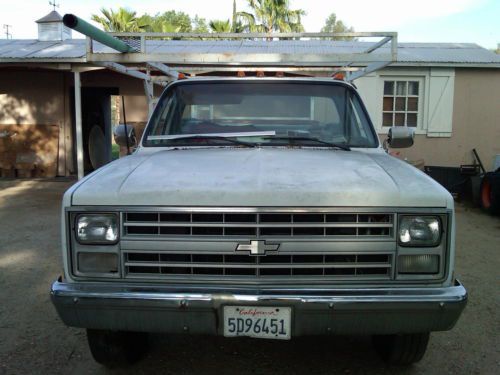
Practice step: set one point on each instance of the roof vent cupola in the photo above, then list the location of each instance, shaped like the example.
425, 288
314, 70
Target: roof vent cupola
51, 28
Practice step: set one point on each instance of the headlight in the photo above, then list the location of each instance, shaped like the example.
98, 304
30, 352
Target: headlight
97, 229
422, 231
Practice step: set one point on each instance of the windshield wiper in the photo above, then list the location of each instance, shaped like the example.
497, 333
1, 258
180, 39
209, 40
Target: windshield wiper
214, 137
291, 140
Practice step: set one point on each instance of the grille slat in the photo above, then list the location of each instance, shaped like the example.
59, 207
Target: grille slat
273, 225
258, 225
372, 265
262, 266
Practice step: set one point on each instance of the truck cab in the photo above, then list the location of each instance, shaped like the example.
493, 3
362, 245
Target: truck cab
260, 207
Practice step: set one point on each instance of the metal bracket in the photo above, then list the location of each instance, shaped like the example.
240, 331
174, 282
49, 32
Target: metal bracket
164, 69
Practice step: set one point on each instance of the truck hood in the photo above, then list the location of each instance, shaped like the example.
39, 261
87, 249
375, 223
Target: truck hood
260, 177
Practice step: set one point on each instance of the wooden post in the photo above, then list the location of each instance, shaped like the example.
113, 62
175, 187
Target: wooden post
78, 125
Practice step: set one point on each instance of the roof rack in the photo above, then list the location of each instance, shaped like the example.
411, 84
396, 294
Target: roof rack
185, 51
166, 54
230, 51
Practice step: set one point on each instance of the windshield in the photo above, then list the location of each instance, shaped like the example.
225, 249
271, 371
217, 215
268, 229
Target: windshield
263, 113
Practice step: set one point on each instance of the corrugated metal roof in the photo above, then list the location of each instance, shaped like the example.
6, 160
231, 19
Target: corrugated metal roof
446, 52
30, 50
408, 53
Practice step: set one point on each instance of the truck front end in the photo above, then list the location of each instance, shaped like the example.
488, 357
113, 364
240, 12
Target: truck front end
260, 208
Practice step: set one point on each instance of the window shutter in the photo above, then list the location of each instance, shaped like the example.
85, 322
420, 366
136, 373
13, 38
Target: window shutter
369, 90
440, 108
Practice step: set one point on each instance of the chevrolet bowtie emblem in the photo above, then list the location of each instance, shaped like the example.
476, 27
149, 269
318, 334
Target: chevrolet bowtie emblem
257, 247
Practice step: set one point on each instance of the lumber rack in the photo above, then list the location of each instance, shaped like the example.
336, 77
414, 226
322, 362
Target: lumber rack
159, 58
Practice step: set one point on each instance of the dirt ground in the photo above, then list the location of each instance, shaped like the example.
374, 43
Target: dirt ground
33, 340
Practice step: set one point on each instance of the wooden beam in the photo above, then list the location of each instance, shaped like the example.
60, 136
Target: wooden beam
78, 125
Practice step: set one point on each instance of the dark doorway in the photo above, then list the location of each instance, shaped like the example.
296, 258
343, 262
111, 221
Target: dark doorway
96, 126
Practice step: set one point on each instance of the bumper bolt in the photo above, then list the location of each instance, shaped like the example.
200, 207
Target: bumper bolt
330, 305
185, 328
75, 300
441, 305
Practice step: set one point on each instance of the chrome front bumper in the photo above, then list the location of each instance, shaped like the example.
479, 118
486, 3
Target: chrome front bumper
151, 308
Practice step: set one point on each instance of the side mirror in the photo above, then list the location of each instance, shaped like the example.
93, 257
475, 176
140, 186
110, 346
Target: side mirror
125, 136
400, 137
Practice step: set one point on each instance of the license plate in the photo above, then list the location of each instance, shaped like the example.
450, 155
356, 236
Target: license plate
260, 322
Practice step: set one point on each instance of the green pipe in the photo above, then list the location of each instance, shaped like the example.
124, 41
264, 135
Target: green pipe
76, 23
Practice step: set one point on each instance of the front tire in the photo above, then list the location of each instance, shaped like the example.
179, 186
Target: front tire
113, 349
401, 350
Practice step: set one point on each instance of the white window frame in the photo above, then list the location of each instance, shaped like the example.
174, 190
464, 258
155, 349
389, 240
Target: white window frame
420, 75
435, 105
419, 112
372, 91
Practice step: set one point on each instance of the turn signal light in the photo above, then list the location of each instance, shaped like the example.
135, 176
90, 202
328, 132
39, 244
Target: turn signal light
339, 76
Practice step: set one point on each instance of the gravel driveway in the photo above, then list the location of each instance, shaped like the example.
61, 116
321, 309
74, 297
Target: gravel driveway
34, 340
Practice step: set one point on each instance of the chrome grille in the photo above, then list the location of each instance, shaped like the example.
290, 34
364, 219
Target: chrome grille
147, 264
257, 225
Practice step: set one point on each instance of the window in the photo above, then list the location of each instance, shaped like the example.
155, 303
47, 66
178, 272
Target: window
329, 112
421, 98
401, 105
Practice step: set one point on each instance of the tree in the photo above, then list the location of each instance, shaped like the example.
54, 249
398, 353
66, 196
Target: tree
236, 26
272, 16
227, 26
199, 25
333, 25
123, 20
167, 22
220, 26
178, 19
157, 24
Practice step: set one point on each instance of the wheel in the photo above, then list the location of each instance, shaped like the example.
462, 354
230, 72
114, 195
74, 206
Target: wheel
401, 349
113, 349
490, 194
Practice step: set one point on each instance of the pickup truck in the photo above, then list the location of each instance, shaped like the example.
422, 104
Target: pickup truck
259, 207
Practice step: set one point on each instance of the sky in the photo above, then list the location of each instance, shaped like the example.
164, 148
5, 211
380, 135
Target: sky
468, 21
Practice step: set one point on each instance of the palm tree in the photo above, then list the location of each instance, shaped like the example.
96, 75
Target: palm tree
220, 26
157, 24
167, 27
272, 15
123, 20
228, 26
236, 24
